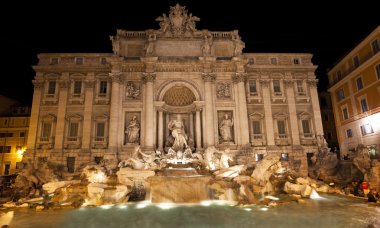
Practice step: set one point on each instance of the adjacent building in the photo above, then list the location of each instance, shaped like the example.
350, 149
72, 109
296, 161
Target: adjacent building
88, 107
14, 123
328, 121
355, 89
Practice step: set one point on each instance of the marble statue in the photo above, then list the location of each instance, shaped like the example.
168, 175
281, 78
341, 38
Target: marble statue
225, 129
190, 23
133, 130
239, 44
149, 48
115, 45
177, 129
206, 46
164, 22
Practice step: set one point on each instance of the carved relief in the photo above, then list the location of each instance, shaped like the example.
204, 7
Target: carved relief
223, 90
179, 21
132, 90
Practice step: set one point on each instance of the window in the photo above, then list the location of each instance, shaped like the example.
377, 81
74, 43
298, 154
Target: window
296, 61
300, 88
306, 128
276, 86
103, 88
252, 87
73, 131
273, 61
281, 128
340, 94
5, 149
356, 61
359, 83
51, 87
79, 61
256, 127
7, 168
5, 135
364, 105
375, 46
98, 160
77, 87
339, 74
366, 129
345, 113
100, 131
378, 71
349, 133
53, 61
251, 61
46, 130
22, 134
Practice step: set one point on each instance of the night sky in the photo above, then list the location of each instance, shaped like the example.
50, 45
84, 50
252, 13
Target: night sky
322, 29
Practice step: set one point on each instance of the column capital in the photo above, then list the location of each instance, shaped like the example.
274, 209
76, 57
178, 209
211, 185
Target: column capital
89, 83
38, 84
64, 83
239, 77
265, 83
208, 77
148, 77
312, 82
116, 77
289, 83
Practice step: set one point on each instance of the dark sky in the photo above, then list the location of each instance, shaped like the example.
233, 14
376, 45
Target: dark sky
322, 29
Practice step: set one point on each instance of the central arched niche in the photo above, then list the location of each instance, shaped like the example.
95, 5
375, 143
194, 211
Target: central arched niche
179, 96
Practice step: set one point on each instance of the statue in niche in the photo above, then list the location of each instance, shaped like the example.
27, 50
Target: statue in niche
164, 22
239, 44
149, 47
225, 129
177, 129
133, 92
132, 131
207, 43
223, 90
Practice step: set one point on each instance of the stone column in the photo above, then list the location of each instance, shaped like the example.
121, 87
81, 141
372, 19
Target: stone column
269, 129
87, 115
239, 79
198, 129
209, 110
289, 85
160, 129
316, 109
148, 79
191, 130
114, 112
35, 113
61, 113
166, 122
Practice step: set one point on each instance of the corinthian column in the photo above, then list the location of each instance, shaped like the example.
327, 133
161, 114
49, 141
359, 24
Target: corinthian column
88, 102
239, 79
209, 109
160, 129
289, 85
268, 112
315, 102
61, 113
148, 79
198, 133
114, 112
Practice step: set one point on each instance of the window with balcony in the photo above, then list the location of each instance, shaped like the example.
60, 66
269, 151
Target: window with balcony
281, 128
363, 104
77, 88
100, 131
102, 88
46, 131
300, 88
252, 88
256, 127
277, 87
356, 61
306, 128
359, 83
375, 46
51, 87
366, 129
73, 131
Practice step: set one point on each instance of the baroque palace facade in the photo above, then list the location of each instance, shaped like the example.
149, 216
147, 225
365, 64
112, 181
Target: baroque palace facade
92, 106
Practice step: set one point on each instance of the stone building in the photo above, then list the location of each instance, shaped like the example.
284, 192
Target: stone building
355, 88
92, 106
